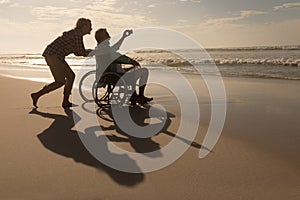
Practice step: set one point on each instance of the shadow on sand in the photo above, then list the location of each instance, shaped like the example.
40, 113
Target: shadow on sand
61, 139
139, 116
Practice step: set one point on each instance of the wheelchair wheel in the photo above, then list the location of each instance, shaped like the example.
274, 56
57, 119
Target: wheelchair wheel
85, 86
111, 89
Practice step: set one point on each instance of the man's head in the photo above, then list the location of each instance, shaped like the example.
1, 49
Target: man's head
101, 35
85, 25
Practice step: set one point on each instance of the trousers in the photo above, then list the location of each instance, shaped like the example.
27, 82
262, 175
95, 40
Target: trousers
62, 74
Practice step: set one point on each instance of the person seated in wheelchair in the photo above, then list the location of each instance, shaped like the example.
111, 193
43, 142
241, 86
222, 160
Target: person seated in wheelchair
109, 60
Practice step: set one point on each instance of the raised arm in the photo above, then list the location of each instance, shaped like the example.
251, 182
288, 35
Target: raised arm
118, 44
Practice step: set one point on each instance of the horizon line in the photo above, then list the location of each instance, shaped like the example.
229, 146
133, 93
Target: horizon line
251, 47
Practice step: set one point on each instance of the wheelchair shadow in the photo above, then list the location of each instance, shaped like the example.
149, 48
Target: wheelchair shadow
61, 139
140, 145
139, 115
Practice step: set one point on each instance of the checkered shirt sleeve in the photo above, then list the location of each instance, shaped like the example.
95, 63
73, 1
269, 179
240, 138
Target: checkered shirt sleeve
70, 42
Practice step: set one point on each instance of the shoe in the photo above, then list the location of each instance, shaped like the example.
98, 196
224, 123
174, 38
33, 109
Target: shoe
145, 99
133, 99
133, 103
34, 98
33, 111
68, 105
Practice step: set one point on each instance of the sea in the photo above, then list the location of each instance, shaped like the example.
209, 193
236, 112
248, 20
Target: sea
280, 62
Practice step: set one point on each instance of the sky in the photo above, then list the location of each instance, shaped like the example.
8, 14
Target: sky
27, 26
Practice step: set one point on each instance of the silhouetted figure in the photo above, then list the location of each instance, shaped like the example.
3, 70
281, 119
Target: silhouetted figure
55, 53
109, 60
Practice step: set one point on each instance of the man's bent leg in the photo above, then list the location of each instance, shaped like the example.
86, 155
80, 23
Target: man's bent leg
70, 76
143, 73
56, 67
131, 78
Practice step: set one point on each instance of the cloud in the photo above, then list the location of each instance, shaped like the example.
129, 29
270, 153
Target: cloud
181, 21
243, 14
4, 1
103, 2
106, 6
95, 8
76, 1
234, 35
49, 13
287, 6
110, 15
104, 14
15, 5
192, 1
152, 5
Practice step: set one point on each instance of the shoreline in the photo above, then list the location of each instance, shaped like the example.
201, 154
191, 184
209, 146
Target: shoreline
44, 74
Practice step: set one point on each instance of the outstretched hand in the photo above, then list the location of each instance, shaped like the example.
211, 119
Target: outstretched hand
127, 33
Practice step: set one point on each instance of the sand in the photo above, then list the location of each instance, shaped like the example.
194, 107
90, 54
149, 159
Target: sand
256, 157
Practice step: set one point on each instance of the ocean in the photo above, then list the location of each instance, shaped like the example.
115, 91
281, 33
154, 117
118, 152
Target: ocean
281, 62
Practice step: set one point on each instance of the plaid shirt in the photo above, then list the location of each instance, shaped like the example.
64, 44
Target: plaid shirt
70, 42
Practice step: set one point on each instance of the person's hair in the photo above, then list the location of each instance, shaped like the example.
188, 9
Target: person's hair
81, 22
101, 35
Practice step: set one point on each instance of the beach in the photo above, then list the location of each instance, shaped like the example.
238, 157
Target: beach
150, 100
256, 157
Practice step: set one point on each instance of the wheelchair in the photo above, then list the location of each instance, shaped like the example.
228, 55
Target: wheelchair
110, 89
